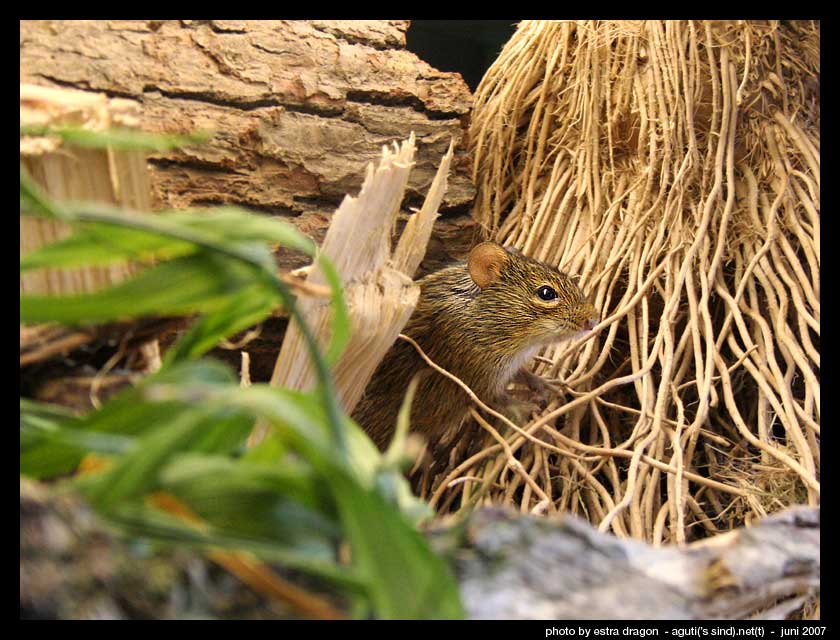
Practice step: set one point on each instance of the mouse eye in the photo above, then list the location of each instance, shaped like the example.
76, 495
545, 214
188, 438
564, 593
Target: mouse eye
546, 293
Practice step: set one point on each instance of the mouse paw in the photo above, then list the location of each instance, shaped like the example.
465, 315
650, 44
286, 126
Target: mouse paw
534, 382
519, 411
539, 391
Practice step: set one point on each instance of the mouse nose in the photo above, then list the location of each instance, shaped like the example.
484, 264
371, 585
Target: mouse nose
590, 323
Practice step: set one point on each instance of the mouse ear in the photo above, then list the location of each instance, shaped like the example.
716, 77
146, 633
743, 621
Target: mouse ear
485, 263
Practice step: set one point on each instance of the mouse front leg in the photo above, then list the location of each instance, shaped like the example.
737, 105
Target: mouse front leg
517, 410
534, 382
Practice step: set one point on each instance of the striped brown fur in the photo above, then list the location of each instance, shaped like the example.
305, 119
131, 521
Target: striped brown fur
482, 335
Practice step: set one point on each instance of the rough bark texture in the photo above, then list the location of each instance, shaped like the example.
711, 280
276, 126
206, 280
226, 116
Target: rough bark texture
526, 567
298, 109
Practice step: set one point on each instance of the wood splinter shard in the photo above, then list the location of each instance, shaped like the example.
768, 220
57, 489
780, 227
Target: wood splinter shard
378, 288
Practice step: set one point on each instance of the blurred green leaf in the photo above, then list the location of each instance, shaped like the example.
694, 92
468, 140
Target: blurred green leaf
38, 425
341, 319
40, 412
269, 450
316, 479
128, 413
79, 440
282, 502
136, 472
99, 244
203, 282
241, 311
406, 579
234, 224
116, 138
297, 416
104, 230
33, 201
196, 243
141, 520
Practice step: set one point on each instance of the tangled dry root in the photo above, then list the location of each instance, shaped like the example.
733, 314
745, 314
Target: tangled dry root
675, 167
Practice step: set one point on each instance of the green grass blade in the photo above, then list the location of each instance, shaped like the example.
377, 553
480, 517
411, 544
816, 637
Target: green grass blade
140, 520
406, 580
129, 413
100, 244
33, 201
341, 318
116, 138
204, 282
241, 311
281, 502
136, 472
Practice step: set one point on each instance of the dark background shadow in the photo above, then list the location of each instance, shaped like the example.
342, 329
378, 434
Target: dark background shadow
466, 46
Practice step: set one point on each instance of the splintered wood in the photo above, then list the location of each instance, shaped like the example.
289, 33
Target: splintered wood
377, 282
293, 134
73, 173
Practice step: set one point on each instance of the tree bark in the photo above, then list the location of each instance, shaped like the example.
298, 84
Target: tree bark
298, 109
511, 566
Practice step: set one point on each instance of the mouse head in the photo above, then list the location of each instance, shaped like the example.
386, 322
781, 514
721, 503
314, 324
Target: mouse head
530, 302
